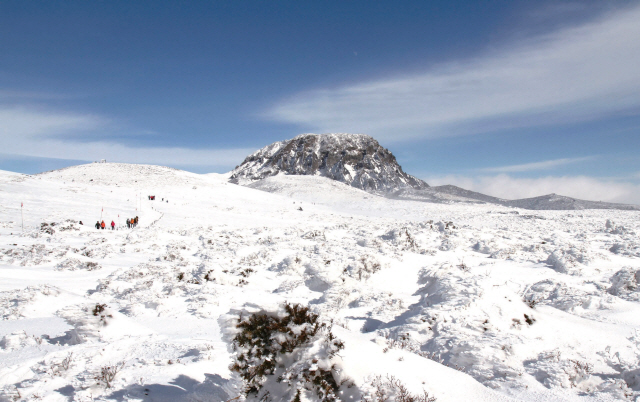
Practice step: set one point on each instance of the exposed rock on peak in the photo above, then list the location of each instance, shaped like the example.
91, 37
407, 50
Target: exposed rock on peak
355, 159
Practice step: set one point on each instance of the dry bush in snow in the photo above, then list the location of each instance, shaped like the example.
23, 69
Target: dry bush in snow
391, 389
283, 354
107, 374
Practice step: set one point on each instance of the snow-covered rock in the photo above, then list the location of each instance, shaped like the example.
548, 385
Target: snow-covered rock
355, 159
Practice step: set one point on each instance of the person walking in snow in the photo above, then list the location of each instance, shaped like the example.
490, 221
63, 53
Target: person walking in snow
128, 224
102, 225
97, 224
113, 225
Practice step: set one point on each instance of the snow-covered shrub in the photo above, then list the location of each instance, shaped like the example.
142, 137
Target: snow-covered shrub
503, 253
291, 265
173, 253
445, 226
626, 283
446, 284
618, 248
102, 312
628, 249
611, 227
578, 371
617, 388
405, 342
68, 225
626, 365
47, 228
382, 305
18, 340
73, 264
564, 297
362, 269
484, 247
34, 254
447, 244
285, 353
552, 371
313, 234
402, 238
254, 259
60, 367
13, 302
288, 285
391, 389
567, 261
99, 252
632, 378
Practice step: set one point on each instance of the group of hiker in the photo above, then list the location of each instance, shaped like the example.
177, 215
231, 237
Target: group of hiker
102, 225
131, 223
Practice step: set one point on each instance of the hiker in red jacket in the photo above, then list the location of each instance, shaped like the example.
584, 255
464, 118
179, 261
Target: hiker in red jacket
113, 225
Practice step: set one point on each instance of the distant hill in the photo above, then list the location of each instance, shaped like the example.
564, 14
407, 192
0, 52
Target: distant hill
461, 192
560, 202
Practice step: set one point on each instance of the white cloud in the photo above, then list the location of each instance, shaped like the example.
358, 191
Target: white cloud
582, 187
19, 121
528, 167
573, 74
32, 132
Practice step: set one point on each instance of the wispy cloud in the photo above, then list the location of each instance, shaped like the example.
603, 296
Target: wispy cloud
573, 74
19, 122
34, 132
529, 167
582, 187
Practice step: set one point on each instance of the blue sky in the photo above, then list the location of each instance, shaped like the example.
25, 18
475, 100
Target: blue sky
512, 98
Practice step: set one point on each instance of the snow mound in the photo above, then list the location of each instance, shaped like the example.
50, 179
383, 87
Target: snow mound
626, 284
570, 260
18, 341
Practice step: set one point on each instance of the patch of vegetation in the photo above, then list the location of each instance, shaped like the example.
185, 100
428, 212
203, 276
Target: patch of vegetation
285, 354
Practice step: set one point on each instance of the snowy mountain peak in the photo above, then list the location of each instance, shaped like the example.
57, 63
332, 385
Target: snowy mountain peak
355, 159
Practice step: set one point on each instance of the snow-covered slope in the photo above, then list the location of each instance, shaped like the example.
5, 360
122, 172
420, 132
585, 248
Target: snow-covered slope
122, 174
467, 301
6, 176
355, 159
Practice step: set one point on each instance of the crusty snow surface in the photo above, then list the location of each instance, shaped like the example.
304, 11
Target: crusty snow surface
468, 302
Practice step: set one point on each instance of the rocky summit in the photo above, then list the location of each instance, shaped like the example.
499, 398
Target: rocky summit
355, 159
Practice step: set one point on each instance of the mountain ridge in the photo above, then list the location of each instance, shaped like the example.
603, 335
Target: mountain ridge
360, 161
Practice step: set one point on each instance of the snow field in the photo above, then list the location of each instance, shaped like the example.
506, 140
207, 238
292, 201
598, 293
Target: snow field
465, 301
